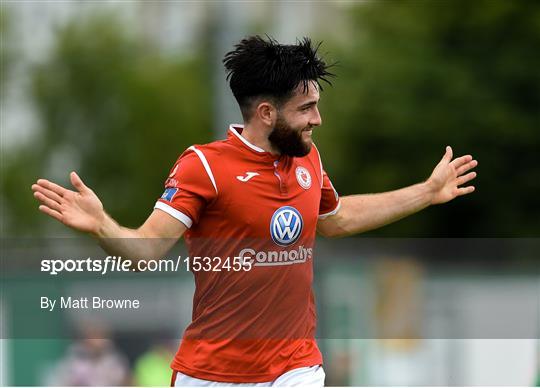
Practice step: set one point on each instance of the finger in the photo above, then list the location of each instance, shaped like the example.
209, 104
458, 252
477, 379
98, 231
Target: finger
465, 190
457, 162
465, 178
48, 202
51, 212
77, 182
467, 167
52, 186
448, 154
48, 193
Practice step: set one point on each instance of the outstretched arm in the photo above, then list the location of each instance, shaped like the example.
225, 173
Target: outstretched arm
360, 213
83, 211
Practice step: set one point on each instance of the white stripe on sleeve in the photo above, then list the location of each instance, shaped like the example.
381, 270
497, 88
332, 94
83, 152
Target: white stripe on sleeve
206, 166
174, 213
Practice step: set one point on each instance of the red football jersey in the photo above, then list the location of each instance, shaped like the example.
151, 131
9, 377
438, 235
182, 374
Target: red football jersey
253, 215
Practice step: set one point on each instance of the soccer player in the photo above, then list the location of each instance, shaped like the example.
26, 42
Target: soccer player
256, 199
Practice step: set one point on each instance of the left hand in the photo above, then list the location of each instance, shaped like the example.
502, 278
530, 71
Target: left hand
449, 175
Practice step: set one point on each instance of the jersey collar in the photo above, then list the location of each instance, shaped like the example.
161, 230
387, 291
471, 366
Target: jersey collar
235, 135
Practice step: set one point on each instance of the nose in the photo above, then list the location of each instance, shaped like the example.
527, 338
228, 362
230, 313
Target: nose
316, 119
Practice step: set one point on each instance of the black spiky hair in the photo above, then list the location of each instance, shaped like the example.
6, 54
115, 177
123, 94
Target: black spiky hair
259, 67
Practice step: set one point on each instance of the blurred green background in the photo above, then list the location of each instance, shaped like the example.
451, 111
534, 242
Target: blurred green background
117, 90
413, 76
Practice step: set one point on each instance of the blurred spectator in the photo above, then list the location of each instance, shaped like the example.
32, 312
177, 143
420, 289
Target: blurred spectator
338, 372
91, 361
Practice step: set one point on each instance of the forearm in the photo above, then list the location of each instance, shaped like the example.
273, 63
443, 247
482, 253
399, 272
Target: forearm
83, 211
360, 213
129, 243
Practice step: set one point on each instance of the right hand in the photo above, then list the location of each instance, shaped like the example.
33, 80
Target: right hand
81, 210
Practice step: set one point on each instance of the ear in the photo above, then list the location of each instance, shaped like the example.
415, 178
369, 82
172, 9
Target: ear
266, 112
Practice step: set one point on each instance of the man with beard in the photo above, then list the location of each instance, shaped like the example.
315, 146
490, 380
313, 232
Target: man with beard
254, 201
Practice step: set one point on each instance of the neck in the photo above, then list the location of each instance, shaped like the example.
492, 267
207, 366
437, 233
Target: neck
259, 137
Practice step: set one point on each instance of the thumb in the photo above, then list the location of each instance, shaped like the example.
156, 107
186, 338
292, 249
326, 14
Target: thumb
77, 182
448, 154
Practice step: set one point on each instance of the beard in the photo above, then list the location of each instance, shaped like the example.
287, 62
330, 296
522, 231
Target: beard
287, 140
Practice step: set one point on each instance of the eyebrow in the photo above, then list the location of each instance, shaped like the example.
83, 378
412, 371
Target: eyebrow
307, 104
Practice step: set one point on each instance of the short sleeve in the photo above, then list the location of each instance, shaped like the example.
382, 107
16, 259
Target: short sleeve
329, 198
189, 188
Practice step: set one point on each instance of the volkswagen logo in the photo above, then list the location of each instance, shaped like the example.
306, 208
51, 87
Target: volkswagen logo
286, 226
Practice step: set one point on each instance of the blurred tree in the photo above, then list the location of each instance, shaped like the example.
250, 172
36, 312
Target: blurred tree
7, 54
6, 51
418, 75
114, 109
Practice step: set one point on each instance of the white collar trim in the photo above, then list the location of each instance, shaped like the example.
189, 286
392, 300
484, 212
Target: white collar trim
235, 132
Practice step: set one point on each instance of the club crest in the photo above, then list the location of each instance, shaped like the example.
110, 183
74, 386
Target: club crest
303, 177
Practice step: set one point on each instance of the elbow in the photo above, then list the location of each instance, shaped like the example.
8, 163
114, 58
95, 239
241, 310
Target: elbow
324, 232
332, 227
331, 232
